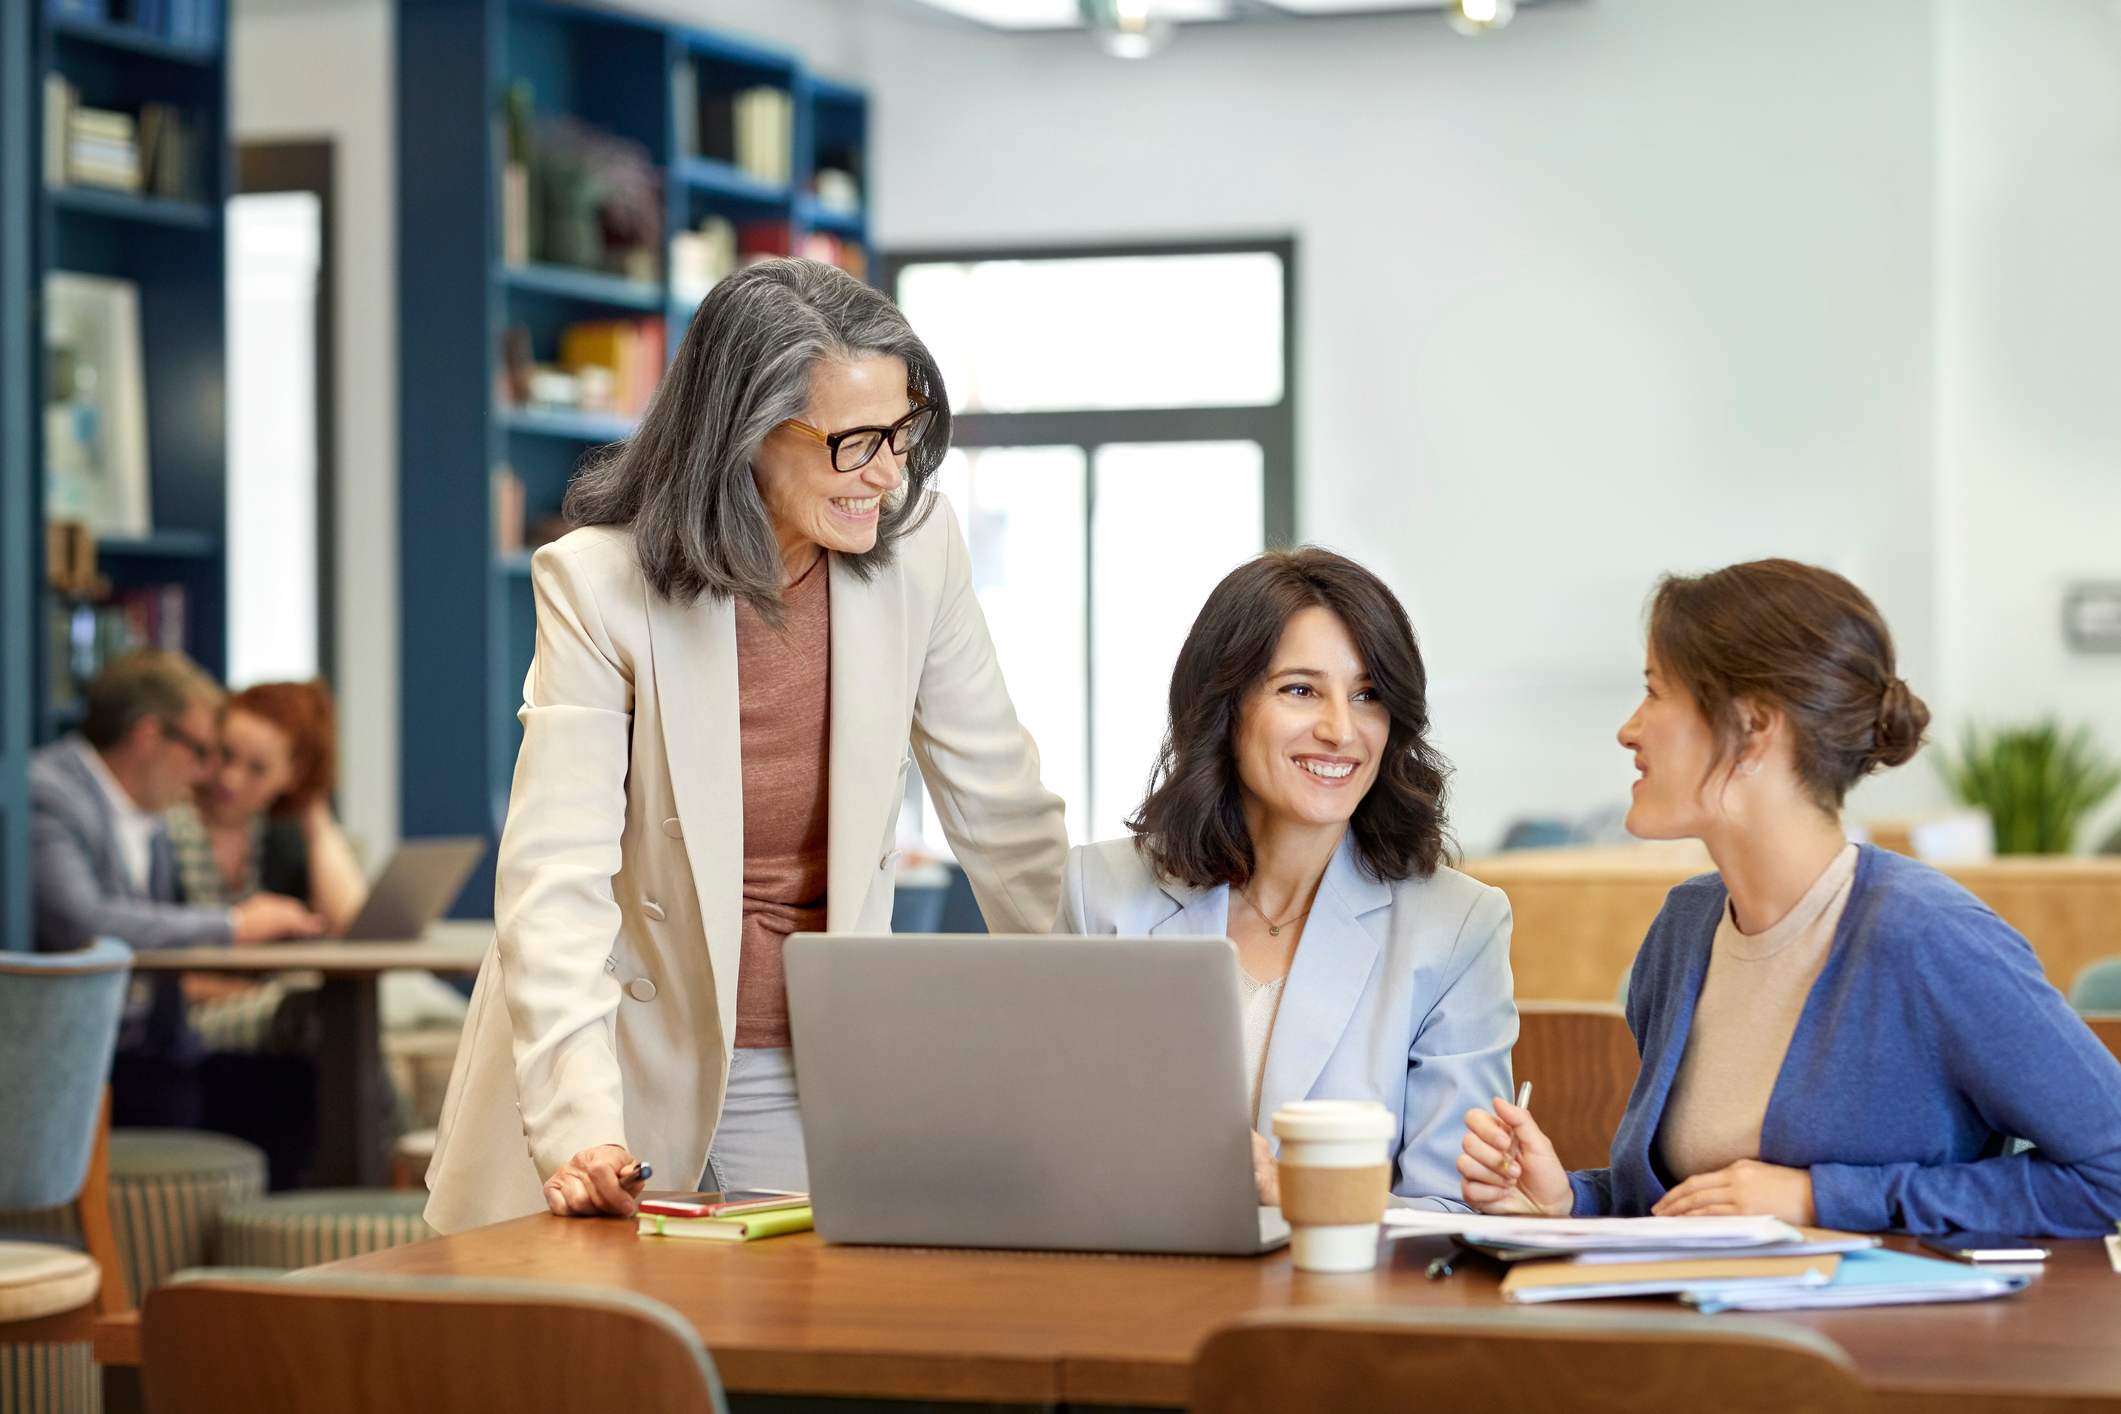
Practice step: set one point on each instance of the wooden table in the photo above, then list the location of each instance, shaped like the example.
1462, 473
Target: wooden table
795, 1315
1579, 914
352, 1146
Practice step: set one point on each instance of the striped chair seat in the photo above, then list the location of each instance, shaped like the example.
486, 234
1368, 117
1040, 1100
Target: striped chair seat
167, 1187
289, 1230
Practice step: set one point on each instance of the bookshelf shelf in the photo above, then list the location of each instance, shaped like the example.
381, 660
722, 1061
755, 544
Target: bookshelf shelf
132, 40
483, 85
171, 585
815, 217
583, 286
161, 545
594, 428
127, 206
708, 177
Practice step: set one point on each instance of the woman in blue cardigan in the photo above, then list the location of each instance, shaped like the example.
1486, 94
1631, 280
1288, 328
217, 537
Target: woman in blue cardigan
1829, 1033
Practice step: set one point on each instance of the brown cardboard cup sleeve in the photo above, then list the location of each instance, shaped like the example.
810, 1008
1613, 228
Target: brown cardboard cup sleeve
1334, 1197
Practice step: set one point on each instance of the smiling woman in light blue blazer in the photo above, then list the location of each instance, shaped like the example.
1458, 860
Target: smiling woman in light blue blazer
1297, 808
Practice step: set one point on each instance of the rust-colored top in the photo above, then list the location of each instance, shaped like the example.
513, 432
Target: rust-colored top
784, 681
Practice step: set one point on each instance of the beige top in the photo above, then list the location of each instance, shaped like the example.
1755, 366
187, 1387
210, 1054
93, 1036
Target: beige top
1261, 1001
1748, 1010
785, 710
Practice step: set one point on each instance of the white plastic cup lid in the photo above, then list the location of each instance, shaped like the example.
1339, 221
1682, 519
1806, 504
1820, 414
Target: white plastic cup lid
1332, 1120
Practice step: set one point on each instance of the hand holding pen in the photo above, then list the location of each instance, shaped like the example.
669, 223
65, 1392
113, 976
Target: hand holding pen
1508, 1164
603, 1179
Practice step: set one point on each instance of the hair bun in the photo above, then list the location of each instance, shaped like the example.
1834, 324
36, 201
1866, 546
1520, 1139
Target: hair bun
1902, 718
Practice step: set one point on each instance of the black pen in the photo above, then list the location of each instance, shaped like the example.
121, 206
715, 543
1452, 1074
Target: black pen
1443, 1266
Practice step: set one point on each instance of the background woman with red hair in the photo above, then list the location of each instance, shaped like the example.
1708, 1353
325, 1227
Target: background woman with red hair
262, 820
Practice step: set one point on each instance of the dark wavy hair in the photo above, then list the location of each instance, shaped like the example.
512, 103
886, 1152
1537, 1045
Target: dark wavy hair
1191, 827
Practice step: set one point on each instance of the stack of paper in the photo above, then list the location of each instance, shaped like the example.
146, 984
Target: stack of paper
1717, 1264
1571, 1235
1877, 1278
1705, 1277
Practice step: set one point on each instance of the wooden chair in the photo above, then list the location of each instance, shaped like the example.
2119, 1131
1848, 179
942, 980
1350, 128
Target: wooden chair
2106, 1025
317, 1344
1517, 1358
1581, 1060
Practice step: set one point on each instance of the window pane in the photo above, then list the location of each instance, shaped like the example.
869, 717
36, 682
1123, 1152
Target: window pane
1022, 512
1171, 519
1103, 332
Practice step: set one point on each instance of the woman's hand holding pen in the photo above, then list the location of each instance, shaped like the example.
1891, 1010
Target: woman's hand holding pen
1509, 1165
603, 1179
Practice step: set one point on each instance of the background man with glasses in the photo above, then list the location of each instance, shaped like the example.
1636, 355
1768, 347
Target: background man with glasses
102, 866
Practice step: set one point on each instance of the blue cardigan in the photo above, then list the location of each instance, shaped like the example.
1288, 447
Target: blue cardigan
1930, 1038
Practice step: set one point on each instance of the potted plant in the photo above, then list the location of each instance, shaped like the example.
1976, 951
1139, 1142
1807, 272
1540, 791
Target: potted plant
2036, 782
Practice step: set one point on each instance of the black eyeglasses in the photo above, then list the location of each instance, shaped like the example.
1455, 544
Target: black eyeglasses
856, 447
201, 751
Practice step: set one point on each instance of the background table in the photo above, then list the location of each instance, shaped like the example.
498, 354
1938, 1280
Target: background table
352, 1142
795, 1315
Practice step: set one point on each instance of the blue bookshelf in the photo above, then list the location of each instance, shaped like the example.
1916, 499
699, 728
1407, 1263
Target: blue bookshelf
468, 625
20, 520
169, 244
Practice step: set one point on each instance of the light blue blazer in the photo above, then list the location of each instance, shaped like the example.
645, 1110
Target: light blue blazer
1399, 993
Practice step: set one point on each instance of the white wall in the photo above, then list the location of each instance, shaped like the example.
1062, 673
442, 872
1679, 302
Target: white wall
1637, 285
2029, 375
1654, 284
310, 69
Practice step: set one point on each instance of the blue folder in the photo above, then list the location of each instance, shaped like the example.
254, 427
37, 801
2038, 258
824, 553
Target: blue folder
1878, 1277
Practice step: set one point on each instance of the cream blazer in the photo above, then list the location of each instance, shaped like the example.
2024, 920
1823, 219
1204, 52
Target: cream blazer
605, 1010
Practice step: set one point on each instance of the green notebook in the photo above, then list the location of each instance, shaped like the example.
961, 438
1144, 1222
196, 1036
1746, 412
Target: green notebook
733, 1229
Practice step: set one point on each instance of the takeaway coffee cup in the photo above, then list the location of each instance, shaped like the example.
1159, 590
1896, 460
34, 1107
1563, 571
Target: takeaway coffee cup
1335, 1176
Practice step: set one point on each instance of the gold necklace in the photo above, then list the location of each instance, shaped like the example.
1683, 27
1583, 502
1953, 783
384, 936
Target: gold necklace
1273, 928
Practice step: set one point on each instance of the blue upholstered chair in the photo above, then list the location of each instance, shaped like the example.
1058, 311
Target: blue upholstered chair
58, 1027
336, 1344
2098, 986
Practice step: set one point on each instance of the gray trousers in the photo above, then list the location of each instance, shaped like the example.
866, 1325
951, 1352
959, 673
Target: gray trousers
759, 1143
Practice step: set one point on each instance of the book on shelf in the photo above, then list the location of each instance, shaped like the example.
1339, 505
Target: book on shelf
152, 151
508, 512
764, 120
835, 250
616, 363
84, 636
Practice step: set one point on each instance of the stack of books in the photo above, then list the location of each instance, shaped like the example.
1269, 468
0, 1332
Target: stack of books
1713, 1264
752, 129
616, 363
706, 1216
151, 152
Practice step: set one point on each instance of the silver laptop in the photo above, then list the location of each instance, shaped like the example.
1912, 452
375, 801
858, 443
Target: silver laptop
423, 878
1084, 1094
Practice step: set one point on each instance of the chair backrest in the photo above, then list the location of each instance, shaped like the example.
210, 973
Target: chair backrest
2098, 986
1518, 1359
2106, 1025
1581, 1060
58, 1028
314, 1344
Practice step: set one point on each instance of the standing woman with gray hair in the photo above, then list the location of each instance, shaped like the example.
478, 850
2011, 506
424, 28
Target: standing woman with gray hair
766, 620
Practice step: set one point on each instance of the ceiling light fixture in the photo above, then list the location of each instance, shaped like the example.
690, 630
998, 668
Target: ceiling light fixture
1124, 28
1478, 17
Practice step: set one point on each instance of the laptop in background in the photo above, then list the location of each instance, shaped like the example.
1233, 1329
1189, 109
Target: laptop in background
1066, 1093
422, 879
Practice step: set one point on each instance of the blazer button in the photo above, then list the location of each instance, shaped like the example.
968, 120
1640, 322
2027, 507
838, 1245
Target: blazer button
890, 859
641, 989
652, 909
672, 828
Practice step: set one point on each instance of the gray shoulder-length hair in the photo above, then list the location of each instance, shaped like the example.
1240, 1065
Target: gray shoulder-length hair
683, 480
